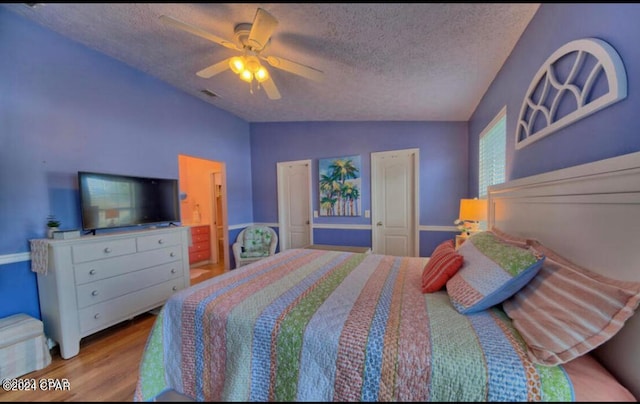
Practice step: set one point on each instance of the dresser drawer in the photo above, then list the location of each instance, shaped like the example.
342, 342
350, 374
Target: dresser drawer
199, 256
157, 241
96, 270
199, 238
202, 246
199, 230
99, 291
103, 249
112, 311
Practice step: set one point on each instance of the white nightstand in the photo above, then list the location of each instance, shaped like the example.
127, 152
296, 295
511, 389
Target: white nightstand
460, 239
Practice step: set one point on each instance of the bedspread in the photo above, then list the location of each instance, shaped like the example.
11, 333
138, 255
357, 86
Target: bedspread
313, 325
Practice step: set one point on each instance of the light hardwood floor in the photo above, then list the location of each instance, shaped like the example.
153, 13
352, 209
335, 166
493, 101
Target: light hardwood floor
106, 369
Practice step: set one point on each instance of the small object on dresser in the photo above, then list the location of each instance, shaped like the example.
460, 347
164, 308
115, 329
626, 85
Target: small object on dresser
66, 234
52, 225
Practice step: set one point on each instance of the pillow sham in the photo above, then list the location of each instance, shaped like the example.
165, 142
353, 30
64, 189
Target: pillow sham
567, 310
492, 272
442, 265
509, 238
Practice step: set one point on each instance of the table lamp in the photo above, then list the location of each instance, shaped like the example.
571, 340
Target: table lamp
472, 211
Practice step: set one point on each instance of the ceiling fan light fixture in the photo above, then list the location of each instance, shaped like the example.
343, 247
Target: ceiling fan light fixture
237, 64
252, 64
246, 75
250, 39
262, 74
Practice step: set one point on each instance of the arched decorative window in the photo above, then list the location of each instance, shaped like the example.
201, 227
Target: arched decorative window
577, 80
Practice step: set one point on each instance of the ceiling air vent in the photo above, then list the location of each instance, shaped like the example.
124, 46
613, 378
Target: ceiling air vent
209, 93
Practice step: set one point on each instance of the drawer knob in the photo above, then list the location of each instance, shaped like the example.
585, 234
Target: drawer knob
94, 293
107, 250
173, 270
175, 288
160, 241
92, 272
172, 254
96, 316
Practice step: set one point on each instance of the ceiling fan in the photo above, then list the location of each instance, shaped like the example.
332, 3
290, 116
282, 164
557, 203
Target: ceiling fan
250, 39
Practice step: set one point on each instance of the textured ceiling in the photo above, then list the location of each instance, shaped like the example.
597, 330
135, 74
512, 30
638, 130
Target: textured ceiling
382, 62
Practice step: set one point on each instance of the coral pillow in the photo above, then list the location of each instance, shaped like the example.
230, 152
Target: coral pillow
443, 264
567, 311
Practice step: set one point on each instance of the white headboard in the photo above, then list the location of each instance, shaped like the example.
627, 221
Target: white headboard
589, 214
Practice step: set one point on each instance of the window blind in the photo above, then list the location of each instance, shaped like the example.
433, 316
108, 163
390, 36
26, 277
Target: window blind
493, 154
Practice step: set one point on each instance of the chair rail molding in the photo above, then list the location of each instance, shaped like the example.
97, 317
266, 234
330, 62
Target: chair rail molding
13, 258
561, 91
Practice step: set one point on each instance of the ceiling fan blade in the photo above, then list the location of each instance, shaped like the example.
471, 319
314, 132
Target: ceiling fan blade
295, 68
270, 88
263, 26
197, 31
214, 69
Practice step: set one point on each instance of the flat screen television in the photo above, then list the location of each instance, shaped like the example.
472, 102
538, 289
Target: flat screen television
113, 200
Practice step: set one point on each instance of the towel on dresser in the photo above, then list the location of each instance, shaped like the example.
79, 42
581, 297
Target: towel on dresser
39, 255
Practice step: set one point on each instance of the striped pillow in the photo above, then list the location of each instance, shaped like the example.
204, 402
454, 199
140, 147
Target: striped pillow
509, 238
442, 265
567, 311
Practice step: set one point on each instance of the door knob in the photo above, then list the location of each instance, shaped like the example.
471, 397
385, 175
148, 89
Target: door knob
379, 224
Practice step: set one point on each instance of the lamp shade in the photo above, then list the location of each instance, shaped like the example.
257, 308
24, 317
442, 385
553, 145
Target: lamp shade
473, 209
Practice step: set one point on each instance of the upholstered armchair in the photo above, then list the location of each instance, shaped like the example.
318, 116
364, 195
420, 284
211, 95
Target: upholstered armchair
253, 244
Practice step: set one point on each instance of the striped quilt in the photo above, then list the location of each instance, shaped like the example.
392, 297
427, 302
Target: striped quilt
314, 325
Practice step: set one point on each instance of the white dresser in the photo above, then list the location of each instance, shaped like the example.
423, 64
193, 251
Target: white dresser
94, 282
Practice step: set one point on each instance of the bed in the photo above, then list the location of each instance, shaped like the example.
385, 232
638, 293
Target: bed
313, 325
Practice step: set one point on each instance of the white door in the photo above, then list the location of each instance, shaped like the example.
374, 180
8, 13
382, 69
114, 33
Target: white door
394, 202
294, 204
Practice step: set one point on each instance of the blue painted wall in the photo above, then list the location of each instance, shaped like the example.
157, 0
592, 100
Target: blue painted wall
610, 132
18, 290
85, 111
443, 169
66, 108
350, 237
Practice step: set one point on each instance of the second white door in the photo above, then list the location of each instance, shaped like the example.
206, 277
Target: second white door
394, 202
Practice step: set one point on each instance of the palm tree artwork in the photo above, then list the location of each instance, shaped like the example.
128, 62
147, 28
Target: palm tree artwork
339, 186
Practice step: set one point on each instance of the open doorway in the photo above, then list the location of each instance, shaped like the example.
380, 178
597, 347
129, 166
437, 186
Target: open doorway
203, 207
